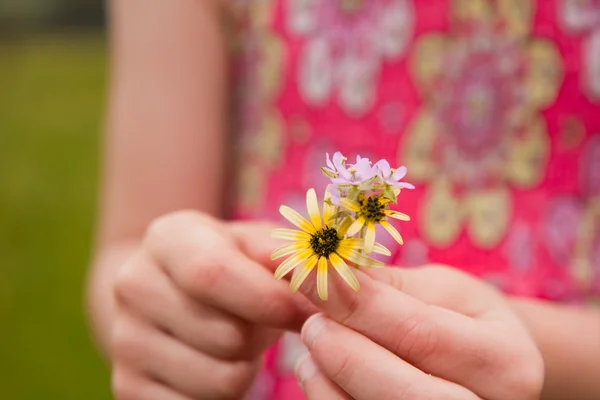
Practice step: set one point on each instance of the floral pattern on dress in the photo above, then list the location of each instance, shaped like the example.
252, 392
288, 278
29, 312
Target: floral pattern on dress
582, 17
346, 42
479, 132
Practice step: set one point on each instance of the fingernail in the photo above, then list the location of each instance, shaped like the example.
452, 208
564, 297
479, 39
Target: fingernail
312, 329
305, 369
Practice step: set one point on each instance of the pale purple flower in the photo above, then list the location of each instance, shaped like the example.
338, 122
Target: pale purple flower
391, 176
353, 174
337, 167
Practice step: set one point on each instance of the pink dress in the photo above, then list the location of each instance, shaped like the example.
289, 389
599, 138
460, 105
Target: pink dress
494, 107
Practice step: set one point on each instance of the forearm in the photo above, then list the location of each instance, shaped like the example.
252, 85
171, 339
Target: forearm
100, 301
165, 147
569, 339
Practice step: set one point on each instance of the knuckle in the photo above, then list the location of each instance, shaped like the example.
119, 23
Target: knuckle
123, 386
342, 372
125, 343
527, 379
170, 224
206, 272
173, 221
350, 310
232, 380
417, 338
235, 341
129, 285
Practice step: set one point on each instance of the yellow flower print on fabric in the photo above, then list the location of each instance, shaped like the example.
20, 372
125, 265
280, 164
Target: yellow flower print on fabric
480, 130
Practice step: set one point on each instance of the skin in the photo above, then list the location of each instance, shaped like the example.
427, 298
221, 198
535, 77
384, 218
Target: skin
183, 304
416, 331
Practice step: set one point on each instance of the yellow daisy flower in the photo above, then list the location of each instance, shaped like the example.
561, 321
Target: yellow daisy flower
318, 243
369, 211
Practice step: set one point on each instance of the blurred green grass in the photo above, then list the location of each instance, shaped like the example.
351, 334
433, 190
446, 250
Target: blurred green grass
51, 105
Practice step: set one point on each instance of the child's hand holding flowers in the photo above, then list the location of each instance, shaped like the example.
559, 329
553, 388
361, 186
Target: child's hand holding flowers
426, 333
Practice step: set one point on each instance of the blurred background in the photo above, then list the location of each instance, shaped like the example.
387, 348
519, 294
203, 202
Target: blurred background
52, 75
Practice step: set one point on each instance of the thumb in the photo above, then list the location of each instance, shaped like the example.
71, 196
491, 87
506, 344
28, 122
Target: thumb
254, 239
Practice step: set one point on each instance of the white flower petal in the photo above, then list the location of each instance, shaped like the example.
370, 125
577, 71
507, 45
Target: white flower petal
349, 204
292, 262
322, 278
392, 231
358, 244
312, 205
356, 226
302, 272
328, 208
397, 215
362, 260
290, 234
289, 249
295, 218
370, 238
345, 272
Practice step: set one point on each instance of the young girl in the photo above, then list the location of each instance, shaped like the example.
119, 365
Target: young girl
493, 105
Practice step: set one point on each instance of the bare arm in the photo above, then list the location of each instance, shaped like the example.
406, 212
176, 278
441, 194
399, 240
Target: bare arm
569, 338
165, 146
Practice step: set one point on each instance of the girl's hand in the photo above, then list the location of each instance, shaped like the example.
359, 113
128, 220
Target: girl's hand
427, 333
196, 308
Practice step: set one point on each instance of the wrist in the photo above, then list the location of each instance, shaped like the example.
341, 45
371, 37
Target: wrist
569, 340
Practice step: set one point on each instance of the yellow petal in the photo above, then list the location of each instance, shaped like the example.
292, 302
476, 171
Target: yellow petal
302, 273
292, 262
312, 205
322, 278
349, 204
392, 231
356, 226
396, 215
381, 249
328, 208
358, 244
358, 258
343, 228
370, 238
290, 234
297, 219
289, 249
345, 272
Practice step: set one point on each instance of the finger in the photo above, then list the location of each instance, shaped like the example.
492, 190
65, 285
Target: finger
160, 357
439, 341
128, 385
442, 286
146, 291
254, 239
314, 384
366, 370
202, 259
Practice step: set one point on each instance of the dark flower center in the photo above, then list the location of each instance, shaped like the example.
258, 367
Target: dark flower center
371, 208
325, 241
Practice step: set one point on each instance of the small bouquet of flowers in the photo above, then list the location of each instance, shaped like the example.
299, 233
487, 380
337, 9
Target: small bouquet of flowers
357, 199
